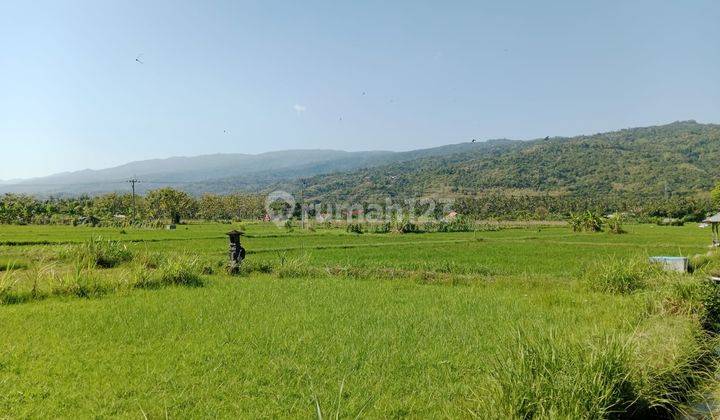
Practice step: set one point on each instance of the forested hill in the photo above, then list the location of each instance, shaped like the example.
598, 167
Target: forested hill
682, 158
678, 159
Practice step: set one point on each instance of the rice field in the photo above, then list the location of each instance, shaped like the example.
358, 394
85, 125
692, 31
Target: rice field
523, 322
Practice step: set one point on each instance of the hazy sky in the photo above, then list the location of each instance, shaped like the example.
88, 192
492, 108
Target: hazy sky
241, 76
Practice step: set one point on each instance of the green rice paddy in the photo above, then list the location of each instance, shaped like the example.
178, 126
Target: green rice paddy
330, 324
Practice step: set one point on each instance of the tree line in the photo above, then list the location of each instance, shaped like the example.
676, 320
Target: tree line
544, 207
171, 205
155, 207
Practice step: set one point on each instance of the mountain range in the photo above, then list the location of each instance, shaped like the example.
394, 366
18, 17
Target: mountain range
678, 158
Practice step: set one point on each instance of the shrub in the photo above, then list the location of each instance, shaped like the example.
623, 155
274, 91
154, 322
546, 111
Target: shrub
715, 196
458, 224
384, 227
405, 226
586, 222
254, 265
615, 225
354, 228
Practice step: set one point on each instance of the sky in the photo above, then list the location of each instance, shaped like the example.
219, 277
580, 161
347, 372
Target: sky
94, 84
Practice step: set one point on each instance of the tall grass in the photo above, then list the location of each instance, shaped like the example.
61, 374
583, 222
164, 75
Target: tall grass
82, 282
427, 272
621, 275
12, 264
98, 253
8, 280
544, 377
707, 264
171, 272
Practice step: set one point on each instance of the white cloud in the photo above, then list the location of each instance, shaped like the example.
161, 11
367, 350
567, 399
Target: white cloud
299, 108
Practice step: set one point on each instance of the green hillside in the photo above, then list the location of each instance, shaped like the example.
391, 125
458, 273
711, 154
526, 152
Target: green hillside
678, 159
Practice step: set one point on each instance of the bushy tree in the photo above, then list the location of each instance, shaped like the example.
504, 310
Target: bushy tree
18, 208
213, 207
108, 205
235, 206
245, 206
715, 197
170, 203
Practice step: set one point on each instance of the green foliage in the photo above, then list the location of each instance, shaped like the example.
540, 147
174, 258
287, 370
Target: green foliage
586, 222
620, 276
542, 377
383, 227
7, 264
708, 264
151, 260
715, 197
177, 271
168, 203
234, 206
355, 228
516, 180
82, 283
458, 224
292, 267
615, 225
558, 173
405, 225
96, 252
180, 272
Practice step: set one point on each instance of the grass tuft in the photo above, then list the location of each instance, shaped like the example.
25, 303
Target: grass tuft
97, 252
171, 272
621, 276
542, 377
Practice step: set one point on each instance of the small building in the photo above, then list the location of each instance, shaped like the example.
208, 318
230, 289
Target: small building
714, 221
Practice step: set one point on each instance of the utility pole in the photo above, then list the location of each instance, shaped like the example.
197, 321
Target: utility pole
302, 203
132, 182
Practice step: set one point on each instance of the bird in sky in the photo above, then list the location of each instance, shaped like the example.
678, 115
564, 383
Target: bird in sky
547, 137
473, 140
139, 59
